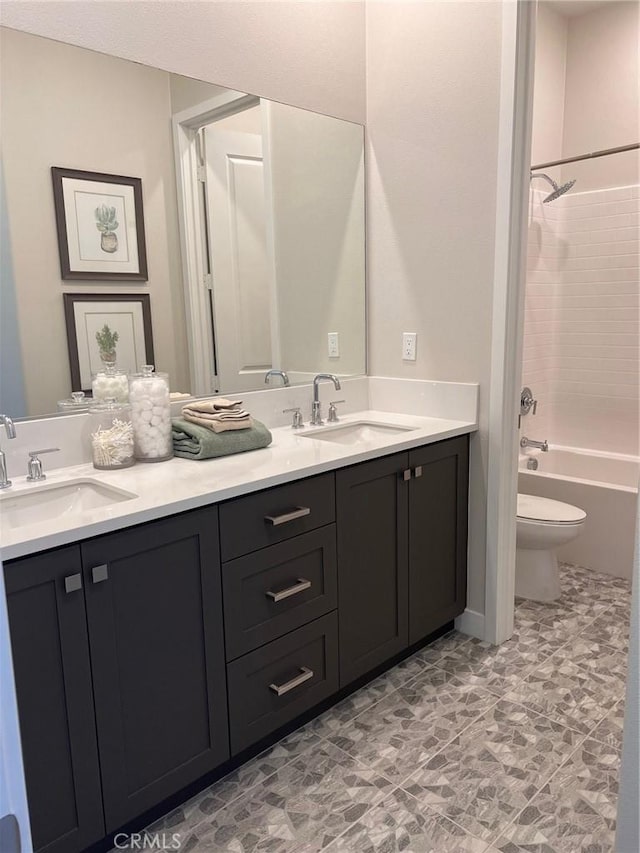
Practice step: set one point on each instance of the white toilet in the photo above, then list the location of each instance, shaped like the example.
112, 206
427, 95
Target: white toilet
542, 526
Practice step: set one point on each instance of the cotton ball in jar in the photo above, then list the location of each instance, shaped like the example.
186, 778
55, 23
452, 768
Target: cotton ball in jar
151, 415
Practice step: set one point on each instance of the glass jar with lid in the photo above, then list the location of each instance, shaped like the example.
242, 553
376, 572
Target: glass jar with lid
111, 435
110, 383
151, 415
77, 402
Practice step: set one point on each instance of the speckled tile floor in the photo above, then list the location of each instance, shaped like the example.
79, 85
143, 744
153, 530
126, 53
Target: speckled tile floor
463, 747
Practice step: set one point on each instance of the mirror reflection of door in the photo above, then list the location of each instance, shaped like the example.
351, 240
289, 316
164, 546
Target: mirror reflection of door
241, 257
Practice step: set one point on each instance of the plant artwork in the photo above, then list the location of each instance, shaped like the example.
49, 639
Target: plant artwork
100, 225
97, 324
107, 341
107, 223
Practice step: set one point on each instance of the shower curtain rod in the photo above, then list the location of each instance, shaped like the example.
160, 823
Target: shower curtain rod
602, 153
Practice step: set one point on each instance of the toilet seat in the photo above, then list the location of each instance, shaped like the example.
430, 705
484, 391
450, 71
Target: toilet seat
546, 511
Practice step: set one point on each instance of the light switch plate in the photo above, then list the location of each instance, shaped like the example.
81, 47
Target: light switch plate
333, 345
409, 344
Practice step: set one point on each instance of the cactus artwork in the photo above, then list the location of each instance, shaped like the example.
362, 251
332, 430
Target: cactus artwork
107, 223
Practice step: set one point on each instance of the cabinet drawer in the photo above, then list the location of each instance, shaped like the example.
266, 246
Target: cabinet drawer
273, 685
272, 591
267, 517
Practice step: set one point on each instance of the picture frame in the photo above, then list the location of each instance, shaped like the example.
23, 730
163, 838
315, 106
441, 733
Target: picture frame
127, 314
100, 226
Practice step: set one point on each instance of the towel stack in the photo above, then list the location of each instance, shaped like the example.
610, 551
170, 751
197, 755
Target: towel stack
219, 415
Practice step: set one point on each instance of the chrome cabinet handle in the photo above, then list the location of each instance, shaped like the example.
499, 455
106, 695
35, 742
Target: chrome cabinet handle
72, 583
298, 512
281, 689
417, 471
300, 586
100, 573
406, 474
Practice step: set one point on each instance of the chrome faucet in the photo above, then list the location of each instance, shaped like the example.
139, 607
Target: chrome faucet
281, 373
529, 442
11, 433
316, 414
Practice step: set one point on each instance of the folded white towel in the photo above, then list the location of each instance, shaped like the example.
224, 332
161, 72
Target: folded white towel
219, 422
235, 415
218, 404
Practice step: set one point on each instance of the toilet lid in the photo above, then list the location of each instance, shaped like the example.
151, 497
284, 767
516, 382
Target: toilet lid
544, 509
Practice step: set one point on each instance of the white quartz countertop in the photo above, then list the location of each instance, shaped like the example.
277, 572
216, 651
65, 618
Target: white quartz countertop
177, 485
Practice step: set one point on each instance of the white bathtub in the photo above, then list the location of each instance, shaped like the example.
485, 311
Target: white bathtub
605, 486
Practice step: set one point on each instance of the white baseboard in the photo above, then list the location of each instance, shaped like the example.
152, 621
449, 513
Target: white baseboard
471, 622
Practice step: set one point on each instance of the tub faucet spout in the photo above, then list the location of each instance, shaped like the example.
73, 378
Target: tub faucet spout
529, 442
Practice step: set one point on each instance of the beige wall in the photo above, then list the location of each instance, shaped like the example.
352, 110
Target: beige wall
62, 106
310, 54
318, 232
433, 90
433, 74
548, 90
186, 92
602, 95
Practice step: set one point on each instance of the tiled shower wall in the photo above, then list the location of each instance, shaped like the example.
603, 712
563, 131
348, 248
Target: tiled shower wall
581, 337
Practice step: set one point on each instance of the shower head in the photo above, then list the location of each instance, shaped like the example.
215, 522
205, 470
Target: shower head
557, 190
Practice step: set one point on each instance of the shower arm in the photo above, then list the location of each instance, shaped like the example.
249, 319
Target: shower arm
546, 177
604, 153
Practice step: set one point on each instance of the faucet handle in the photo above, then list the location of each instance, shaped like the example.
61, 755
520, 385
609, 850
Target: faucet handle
527, 401
333, 414
34, 466
297, 417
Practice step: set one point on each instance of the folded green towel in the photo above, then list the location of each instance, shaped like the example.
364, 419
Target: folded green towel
195, 442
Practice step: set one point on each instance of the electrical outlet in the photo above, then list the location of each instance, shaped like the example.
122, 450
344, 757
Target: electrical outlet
409, 344
333, 345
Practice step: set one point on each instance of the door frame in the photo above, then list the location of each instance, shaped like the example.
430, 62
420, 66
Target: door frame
514, 160
185, 125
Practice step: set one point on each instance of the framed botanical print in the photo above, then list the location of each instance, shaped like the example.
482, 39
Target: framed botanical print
100, 225
107, 329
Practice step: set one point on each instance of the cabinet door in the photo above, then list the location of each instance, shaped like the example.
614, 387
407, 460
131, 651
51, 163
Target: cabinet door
372, 517
48, 626
438, 496
154, 604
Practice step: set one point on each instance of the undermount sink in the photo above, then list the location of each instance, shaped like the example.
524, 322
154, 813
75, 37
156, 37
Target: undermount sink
55, 500
355, 433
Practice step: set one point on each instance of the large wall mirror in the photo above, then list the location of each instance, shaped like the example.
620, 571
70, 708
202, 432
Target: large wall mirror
253, 216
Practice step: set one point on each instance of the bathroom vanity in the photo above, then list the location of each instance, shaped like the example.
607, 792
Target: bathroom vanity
155, 656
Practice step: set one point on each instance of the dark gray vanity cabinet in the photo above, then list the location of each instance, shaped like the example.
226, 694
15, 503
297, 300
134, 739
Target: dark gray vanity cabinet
438, 498
118, 652
146, 658
373, 512
402, 551
154, 605
280, 598
48, 625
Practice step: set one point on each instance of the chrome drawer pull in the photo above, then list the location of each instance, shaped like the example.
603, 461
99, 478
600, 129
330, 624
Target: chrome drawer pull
100, 573
418, 471
300, 586
72, 583
298, 512
281, 689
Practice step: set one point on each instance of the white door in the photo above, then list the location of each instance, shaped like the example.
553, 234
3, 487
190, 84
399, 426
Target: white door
241, 262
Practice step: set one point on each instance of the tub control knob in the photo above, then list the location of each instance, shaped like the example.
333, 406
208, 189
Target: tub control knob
527, 402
